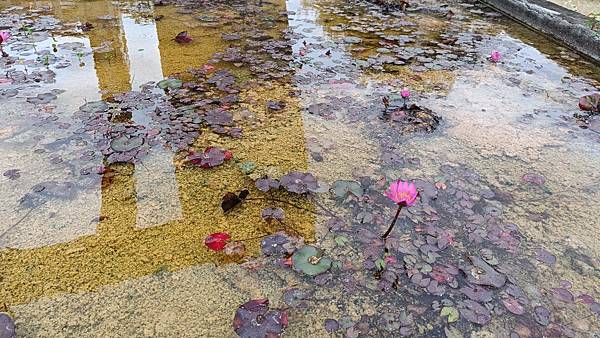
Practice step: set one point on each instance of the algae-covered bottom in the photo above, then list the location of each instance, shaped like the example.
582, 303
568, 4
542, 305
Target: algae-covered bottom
127, 142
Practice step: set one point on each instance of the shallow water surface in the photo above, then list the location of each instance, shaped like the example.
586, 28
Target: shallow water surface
113, 176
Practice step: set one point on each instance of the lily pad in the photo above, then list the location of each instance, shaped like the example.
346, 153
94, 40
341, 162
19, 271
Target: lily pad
124, 144
309, 260
450, 312
254, 319
341, 189
590, 103
169, 83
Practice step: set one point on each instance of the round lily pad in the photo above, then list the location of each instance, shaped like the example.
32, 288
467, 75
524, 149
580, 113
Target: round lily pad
169, 83
343, 188
123, 143
309, 260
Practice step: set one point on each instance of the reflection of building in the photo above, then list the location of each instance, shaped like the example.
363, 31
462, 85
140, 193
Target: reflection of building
138, 233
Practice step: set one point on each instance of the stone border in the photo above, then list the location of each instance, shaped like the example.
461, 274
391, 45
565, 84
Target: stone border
559, 23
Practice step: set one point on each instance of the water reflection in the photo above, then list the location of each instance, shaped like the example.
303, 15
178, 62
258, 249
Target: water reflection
137, 219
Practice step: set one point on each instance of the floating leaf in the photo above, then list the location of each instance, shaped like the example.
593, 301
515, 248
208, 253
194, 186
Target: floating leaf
235, 248
254, 319
124, 144
590, 103
309, 260
211, 157
475, 312
217, 241
450, 312
299, 183
513, 305
380, 264
341, 189
277, 244
563, 295
484, 274
266, 184
273, 214
183, 37
331, 325
12, 174
545, 256
542, 315
169, 83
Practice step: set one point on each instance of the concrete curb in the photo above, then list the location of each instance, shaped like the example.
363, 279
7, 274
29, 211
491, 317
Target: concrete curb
559, 23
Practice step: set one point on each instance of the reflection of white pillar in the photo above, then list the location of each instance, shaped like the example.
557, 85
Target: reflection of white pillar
156, 185
57, 220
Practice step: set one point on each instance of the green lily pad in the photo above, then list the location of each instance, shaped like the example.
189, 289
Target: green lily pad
380, 264
450, 312
309, 260
123, 143
169, 83
343, 188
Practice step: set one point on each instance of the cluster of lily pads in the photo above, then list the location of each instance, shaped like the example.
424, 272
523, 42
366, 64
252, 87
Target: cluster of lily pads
452, 253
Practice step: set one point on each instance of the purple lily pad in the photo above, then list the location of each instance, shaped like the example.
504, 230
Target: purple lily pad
299, 183
331, 325
475, 312
477, 293
489, 277
266, 184
585, 299
542, 315
563, 295
277, 244
12, 174
512, 305
273, 214
254, 319
545, 256
210, 158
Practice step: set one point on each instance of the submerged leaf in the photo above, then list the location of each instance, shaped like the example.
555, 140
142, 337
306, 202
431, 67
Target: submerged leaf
235, 248
7, 326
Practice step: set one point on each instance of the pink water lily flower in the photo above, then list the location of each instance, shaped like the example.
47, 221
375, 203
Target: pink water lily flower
4, 36
495, 56
402, 192
405, 93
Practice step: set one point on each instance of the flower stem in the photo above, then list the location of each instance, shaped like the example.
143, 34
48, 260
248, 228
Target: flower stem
387, 233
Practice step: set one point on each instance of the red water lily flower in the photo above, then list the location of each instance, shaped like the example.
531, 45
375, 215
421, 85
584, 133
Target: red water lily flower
217, 241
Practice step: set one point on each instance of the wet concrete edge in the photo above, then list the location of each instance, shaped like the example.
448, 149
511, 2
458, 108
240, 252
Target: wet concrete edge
557, 22
561, 24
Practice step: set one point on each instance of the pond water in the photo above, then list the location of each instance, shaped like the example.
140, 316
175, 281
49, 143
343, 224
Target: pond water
113, 177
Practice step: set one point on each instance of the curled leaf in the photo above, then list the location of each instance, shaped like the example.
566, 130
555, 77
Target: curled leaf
217, 241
